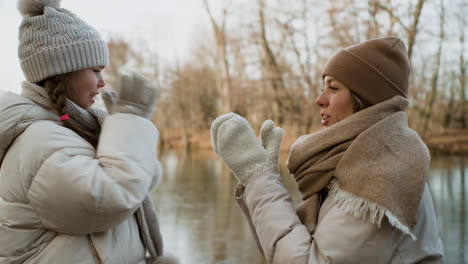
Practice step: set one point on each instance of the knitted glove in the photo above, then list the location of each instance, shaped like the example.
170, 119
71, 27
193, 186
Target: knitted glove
236, 144
137, 96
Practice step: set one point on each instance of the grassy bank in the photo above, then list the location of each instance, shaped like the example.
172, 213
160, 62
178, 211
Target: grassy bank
453, 142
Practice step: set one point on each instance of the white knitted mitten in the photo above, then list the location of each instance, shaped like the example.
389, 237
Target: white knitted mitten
236, 144
137, 96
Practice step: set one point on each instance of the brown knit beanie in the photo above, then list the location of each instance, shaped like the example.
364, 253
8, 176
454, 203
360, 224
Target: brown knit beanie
376, 70
54, 41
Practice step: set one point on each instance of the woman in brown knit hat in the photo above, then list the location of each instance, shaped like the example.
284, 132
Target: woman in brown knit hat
74, 180
362, 178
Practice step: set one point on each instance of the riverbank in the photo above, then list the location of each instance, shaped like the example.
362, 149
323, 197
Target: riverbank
202, 141
453, 142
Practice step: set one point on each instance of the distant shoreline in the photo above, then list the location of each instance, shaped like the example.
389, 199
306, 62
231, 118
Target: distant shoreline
454, 142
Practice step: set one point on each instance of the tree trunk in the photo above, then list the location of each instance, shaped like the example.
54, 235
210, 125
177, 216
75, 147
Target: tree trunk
414, 27
435, 75
462, 79
224, 77
183, 106
448, 114
463, 67
274, 73
304, 119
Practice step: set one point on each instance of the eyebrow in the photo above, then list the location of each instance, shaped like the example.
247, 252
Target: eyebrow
328, 81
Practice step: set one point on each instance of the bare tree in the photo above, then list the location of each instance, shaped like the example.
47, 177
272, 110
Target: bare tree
435, 75
181, 99
374, 26
224, 76
282, 100
266, 63
412, 29
462, 77
451, 102
309, 74
341, 22
119, 55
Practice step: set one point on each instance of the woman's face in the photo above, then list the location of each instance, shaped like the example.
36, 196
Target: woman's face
86, 85
335, 101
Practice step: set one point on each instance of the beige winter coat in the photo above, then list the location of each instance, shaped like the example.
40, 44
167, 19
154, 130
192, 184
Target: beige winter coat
339, 237
63, 201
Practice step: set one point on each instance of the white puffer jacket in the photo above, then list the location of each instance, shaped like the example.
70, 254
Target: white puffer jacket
338, 237
62, 200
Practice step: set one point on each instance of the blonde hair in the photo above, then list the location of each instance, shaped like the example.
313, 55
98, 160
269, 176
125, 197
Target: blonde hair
57, 88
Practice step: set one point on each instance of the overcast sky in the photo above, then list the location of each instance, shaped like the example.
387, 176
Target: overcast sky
165, 26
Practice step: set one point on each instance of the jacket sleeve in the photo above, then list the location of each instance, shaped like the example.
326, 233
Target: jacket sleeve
80, 190
338, 238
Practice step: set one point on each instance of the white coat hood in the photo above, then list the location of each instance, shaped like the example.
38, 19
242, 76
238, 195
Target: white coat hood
16, 114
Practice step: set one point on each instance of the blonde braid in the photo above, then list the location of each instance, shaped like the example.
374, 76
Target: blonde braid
57, 89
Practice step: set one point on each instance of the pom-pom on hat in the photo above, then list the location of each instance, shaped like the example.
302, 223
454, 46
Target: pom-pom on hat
35, 7
376, 69
54, 41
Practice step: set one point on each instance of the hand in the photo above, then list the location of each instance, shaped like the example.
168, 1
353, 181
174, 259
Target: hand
137, 96
236, 144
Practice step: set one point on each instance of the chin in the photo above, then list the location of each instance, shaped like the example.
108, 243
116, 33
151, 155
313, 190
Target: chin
84, 106
330, 124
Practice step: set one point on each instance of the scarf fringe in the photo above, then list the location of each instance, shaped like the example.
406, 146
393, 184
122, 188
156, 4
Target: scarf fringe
360, 207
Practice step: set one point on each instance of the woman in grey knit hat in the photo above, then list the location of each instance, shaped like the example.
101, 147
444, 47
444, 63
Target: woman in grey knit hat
74, 180
362, 178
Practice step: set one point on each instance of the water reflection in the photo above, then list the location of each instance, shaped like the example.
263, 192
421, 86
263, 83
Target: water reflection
447, 180
201, 223
199, 218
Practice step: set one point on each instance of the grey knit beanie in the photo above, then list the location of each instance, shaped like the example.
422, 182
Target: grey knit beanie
376, 69
54, 41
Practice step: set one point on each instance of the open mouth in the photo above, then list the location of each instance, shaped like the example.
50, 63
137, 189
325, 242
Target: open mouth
91, 97
325, 119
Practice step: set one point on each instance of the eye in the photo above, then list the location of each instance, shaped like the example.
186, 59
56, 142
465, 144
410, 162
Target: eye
96, 70
333, 88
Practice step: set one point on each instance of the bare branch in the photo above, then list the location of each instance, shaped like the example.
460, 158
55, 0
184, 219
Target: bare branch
393, 16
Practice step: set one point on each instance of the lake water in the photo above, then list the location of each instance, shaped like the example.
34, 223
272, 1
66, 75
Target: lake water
202, 224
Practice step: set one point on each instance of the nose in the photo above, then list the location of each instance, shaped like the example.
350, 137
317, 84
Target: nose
101, 83
321, 101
